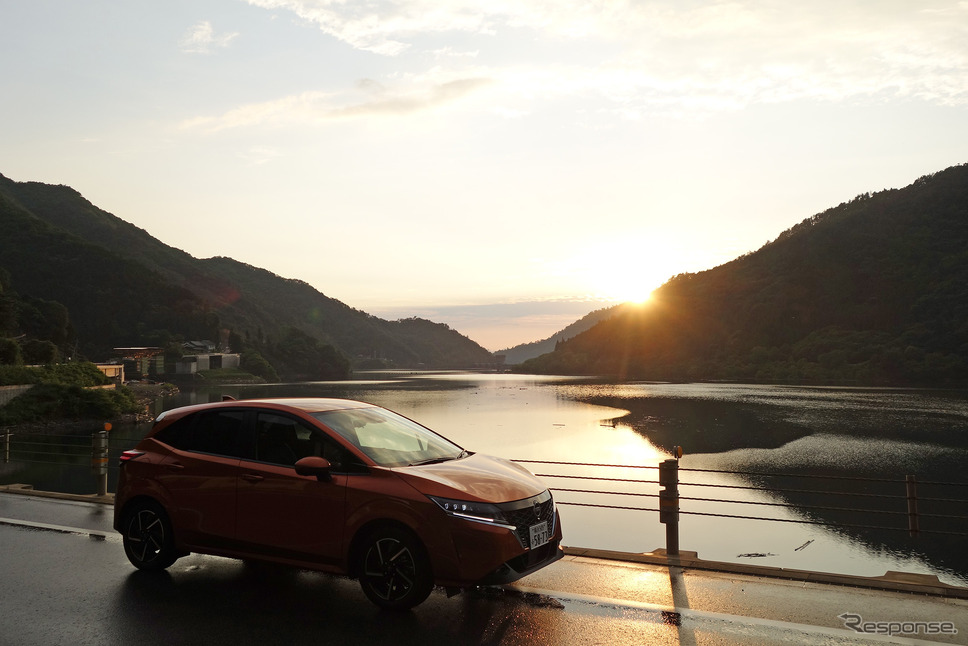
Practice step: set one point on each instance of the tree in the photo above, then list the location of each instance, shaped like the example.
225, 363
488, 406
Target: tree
304, 357
10, 354
36, 352
252, 361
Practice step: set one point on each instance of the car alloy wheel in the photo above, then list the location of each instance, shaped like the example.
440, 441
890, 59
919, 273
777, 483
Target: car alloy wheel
147, 537
394, 569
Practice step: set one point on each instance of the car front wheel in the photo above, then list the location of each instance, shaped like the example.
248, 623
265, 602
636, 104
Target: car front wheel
147, 537
394, 569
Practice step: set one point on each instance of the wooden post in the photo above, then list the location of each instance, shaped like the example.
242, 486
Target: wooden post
669, 503
912, 503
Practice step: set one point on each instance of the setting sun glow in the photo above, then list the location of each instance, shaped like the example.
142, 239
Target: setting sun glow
624, 272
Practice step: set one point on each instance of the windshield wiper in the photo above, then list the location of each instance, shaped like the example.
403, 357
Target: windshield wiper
463, 454
419, 463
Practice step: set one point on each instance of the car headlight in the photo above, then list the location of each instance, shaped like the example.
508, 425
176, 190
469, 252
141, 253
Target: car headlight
481, 512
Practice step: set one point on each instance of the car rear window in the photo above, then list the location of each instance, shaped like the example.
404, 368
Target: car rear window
217, 432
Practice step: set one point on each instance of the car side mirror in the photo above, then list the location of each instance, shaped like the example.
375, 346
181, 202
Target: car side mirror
314, 466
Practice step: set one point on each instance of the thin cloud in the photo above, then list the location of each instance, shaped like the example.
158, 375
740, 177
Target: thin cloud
319, 107
258, 155
571, 308
666, 56
384, 26
201, 39
450, 52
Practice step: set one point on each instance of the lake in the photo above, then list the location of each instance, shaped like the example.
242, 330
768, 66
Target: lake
736, 439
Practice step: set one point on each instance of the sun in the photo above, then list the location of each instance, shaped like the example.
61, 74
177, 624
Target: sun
626, 282
618, 271
638, 298
631, 296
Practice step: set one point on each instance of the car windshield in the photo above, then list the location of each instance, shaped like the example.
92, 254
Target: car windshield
389, 439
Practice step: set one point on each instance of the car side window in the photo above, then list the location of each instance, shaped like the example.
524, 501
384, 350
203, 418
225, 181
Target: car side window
217, 432
283, 440
277, 439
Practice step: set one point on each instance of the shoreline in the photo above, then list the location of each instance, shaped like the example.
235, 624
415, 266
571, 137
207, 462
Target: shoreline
144, 393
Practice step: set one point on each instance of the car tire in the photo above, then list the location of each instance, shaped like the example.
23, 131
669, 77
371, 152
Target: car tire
147, 537
394, 569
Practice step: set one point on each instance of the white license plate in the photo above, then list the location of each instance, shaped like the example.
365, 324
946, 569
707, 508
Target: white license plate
539, 534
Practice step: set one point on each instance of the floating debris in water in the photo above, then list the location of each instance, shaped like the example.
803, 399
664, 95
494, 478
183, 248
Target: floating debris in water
754, 555
804, 545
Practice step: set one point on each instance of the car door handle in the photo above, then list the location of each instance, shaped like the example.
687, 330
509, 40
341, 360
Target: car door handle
175, 466
252, 477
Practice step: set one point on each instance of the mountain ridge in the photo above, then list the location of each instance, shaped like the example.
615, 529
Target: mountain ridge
873, 291
252, 302
523, 351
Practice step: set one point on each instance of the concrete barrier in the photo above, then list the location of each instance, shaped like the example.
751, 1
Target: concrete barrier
9, 392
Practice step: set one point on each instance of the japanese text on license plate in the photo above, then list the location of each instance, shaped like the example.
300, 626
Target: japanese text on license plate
539, 534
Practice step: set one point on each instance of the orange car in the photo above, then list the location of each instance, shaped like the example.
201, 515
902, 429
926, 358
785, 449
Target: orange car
332, 485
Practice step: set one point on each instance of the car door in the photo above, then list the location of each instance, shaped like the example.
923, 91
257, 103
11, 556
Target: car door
200, 475
282, 514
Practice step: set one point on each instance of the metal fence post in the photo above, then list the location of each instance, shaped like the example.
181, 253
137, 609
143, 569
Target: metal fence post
99, 459
912, 504
669, 501
6, 446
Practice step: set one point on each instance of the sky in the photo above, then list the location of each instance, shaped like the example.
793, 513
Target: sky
502, 167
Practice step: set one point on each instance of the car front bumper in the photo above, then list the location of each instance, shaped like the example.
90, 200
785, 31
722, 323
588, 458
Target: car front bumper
521, 566
491, 554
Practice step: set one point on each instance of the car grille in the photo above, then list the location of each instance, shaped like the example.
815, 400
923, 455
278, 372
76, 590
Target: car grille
523, 514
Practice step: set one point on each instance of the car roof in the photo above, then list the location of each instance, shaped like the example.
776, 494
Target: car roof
304, 404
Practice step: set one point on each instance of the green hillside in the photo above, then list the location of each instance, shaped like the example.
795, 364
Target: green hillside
123, 287
874, 291
110, 300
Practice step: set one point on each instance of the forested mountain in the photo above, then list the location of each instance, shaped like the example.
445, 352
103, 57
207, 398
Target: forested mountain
123, 287
874, 291
520, 353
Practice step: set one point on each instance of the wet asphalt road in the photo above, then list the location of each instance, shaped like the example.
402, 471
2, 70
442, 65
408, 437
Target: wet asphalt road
64, 579
69, 589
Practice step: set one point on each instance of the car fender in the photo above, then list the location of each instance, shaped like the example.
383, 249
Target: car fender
367, 510
147, 489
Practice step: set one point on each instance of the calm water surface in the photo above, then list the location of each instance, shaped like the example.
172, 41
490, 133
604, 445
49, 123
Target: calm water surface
862, 437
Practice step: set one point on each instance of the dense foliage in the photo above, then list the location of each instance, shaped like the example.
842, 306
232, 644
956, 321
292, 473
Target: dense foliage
874, 291
77, 373
63, 391
308, 359
111, 301
53, 401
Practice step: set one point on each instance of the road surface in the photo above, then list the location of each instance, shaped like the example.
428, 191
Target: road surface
65, 580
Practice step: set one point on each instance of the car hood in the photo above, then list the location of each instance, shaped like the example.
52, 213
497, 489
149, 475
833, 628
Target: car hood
478, 477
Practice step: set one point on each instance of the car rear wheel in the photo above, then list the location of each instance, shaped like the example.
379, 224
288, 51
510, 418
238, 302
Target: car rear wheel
394, 569
147, 537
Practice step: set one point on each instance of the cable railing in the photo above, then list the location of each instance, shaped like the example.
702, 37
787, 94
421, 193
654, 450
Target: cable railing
608, 481
905, 504
75, 450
